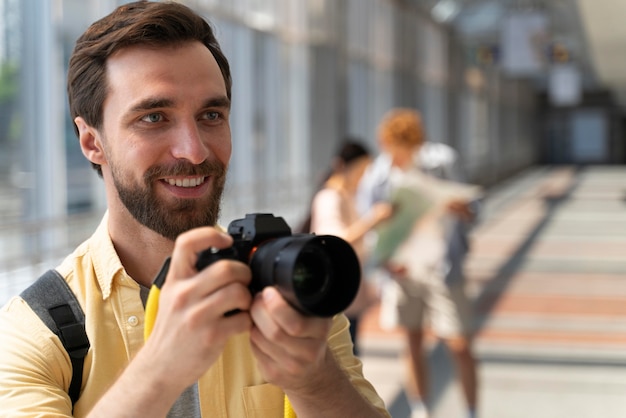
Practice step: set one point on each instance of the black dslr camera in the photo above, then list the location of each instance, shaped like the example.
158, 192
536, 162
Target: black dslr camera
317, 274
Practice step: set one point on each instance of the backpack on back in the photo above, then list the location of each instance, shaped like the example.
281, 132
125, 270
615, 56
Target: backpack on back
54, 302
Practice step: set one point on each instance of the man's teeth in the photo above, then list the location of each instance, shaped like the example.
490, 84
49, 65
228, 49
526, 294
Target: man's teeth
186, 182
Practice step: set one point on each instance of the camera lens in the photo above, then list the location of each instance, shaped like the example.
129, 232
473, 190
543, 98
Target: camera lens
319, 275
311, 272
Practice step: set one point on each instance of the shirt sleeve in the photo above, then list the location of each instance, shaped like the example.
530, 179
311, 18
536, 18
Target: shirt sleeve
35, 370
374, 184
341, 346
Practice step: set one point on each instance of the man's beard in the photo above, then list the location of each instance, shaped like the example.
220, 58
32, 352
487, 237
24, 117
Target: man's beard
170, 220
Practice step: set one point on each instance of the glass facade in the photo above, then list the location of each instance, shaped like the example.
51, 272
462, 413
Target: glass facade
306, 73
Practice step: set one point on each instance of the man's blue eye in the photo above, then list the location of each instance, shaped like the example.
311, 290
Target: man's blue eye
152, 118
212, 115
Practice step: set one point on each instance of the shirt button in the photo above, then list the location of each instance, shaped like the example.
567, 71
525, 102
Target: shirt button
133, 321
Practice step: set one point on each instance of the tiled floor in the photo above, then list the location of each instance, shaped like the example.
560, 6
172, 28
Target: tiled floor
548, 274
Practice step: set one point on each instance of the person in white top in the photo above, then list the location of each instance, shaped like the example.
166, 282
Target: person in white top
334, 212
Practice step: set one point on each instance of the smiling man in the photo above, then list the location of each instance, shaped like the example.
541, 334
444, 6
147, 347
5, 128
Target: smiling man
149, 92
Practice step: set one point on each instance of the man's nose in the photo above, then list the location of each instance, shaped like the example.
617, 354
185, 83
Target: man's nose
190, 144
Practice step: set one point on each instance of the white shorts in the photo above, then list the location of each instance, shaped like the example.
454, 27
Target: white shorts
410, 302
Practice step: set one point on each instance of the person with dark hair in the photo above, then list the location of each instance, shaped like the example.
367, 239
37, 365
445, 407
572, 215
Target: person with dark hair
334, 212
150, 94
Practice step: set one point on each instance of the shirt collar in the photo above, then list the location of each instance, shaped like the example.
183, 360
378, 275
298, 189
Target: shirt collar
106, 263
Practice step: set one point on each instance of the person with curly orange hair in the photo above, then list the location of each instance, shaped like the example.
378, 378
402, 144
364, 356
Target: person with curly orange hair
432, 284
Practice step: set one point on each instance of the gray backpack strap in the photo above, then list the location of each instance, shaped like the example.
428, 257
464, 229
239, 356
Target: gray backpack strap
53, 301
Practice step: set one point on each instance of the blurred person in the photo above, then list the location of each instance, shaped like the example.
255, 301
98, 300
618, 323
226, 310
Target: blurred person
334, 212
435, 289
149, 92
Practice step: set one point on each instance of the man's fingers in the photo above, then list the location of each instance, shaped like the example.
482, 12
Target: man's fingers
231, 298
274, 316
189, 244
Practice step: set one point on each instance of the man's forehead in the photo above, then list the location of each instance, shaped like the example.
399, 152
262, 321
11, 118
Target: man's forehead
150, 67
140, 53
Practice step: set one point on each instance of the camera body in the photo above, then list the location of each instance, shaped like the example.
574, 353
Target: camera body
317, 274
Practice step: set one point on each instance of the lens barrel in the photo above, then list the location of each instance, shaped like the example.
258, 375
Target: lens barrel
317, 274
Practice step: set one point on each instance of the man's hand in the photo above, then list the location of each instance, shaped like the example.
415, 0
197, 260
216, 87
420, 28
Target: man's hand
292, 352
291, 348
397, 271
381, 211
461, 209
191, 329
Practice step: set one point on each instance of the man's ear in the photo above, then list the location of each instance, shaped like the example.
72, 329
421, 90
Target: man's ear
90, 142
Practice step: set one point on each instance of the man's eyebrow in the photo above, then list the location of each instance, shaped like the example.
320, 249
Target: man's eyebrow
156, 103
151, 103
221, 101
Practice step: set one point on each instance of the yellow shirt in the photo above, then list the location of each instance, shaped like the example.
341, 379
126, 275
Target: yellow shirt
35, 370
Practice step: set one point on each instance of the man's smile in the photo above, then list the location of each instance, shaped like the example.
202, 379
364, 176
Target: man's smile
186, 182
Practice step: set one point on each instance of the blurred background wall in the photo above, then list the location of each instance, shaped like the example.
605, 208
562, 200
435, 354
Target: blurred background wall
508, 83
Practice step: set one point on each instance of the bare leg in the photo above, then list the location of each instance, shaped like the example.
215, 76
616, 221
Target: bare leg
466, 368
417, 385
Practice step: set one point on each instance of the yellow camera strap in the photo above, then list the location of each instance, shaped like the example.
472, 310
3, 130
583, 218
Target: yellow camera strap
152, 307
289, 412
152, 304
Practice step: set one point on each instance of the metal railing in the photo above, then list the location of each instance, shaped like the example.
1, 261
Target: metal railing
27, 249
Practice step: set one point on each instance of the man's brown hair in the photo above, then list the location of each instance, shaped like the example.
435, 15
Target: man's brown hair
154, 24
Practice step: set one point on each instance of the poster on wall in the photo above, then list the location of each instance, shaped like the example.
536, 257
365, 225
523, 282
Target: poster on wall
523, 40
564, 85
